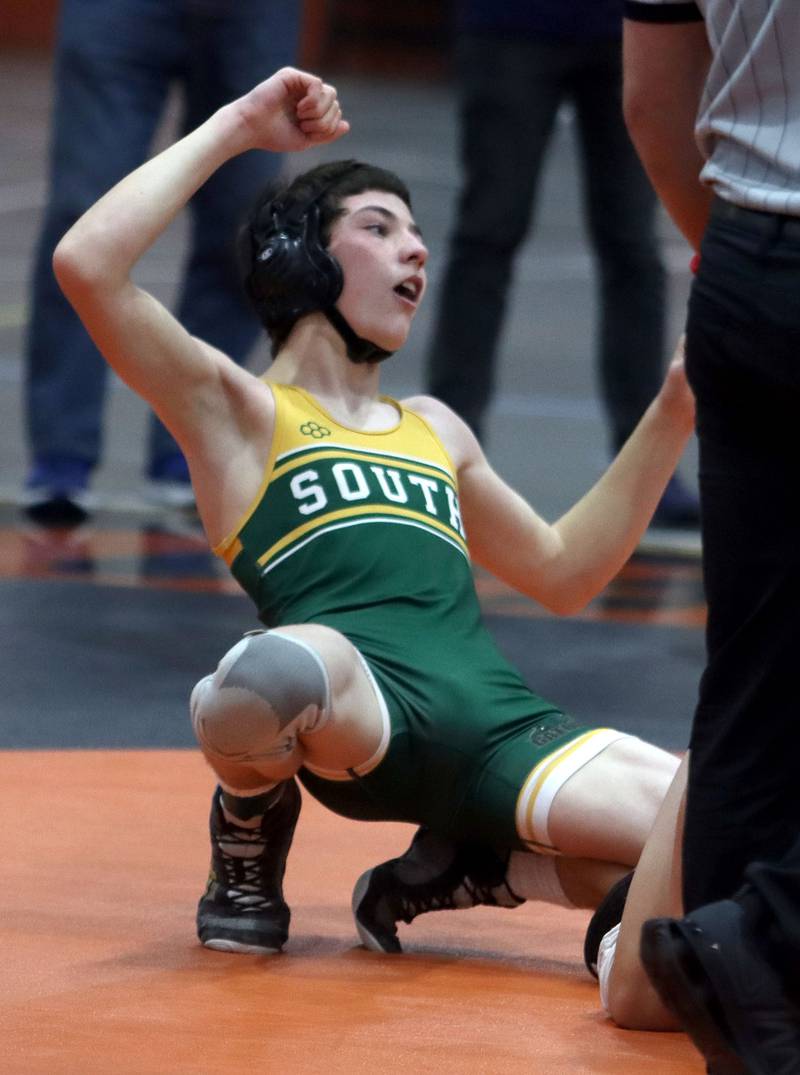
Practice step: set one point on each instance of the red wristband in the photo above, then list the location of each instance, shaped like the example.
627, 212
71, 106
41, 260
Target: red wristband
694, 264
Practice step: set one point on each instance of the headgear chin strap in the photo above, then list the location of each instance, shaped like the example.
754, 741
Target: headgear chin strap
358, 349
293, 274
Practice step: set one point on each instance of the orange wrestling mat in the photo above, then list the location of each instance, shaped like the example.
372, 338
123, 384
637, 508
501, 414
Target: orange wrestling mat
104, 859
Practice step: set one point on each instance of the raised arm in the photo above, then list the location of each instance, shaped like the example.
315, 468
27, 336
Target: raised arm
565, 564
208, 403
665, 68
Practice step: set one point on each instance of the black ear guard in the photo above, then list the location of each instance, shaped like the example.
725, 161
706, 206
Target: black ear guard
293, 274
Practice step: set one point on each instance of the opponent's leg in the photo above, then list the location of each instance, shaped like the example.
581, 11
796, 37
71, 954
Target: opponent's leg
625, 989
275, 700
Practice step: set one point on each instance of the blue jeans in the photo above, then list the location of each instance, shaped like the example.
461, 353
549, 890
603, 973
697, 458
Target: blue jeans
509, 92
115, 61
743, 362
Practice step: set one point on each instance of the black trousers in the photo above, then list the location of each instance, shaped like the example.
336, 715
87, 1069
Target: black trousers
743, 362
509, 94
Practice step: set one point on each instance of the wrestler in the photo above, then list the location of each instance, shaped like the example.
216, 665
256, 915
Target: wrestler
353, 521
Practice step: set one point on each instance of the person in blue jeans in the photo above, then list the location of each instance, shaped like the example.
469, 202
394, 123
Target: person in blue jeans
516, 63
114, 65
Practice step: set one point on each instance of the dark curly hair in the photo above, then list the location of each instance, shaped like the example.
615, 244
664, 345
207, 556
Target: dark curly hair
326, 185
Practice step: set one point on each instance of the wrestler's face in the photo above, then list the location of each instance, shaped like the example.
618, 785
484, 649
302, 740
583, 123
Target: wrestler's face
382, 256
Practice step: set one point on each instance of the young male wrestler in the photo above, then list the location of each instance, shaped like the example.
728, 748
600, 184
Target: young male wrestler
352, 521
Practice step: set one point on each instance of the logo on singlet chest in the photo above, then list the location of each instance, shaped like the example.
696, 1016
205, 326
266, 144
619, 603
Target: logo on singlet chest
332, 485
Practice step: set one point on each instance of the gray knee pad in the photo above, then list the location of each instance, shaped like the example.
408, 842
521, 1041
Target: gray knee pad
266, 690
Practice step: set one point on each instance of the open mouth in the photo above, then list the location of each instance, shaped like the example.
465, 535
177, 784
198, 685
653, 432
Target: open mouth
409, 290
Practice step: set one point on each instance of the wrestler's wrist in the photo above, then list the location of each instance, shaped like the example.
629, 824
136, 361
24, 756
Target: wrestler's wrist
232, 133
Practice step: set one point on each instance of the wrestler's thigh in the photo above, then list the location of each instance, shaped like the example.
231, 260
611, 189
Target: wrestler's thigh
606, 809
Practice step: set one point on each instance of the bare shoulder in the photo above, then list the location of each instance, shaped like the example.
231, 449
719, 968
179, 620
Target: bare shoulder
454, 433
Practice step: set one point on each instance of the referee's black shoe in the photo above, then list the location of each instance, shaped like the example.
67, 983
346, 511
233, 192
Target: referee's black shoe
710, 971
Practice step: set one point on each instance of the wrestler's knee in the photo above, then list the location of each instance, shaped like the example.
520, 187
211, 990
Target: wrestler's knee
267, 690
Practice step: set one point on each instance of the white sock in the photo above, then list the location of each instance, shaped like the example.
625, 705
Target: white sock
535, 877
605, 961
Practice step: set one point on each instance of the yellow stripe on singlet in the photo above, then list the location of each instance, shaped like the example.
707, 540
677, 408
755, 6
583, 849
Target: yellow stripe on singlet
375, 458
228, 550
376, 511
526, 800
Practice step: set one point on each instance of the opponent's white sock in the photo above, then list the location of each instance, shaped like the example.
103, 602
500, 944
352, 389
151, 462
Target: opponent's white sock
605, 961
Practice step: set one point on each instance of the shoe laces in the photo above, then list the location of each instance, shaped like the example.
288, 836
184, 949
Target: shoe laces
243, 872
466, 893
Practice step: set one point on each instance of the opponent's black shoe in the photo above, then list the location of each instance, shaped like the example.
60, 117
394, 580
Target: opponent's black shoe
607, 915
710, 971
242, 908
432, 875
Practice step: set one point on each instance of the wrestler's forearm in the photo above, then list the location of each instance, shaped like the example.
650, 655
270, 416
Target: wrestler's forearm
602, 530
564, 565
109, 239
179, 375
291, 110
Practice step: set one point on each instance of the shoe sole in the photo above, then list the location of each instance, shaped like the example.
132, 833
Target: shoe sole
676, 974
221, 944
258, 938
367, 938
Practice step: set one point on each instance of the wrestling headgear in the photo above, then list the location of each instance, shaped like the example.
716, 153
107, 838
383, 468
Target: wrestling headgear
290, 273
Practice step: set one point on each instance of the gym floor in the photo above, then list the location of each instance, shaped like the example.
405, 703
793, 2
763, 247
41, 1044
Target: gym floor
107, 626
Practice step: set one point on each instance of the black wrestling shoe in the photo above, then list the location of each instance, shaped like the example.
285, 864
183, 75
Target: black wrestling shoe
242, 908
710, 971
432, 875
607, 915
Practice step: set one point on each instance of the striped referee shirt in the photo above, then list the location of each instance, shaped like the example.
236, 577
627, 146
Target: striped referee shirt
748, 125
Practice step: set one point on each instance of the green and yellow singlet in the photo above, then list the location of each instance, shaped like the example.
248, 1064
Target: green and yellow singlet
361, 532
342, 517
